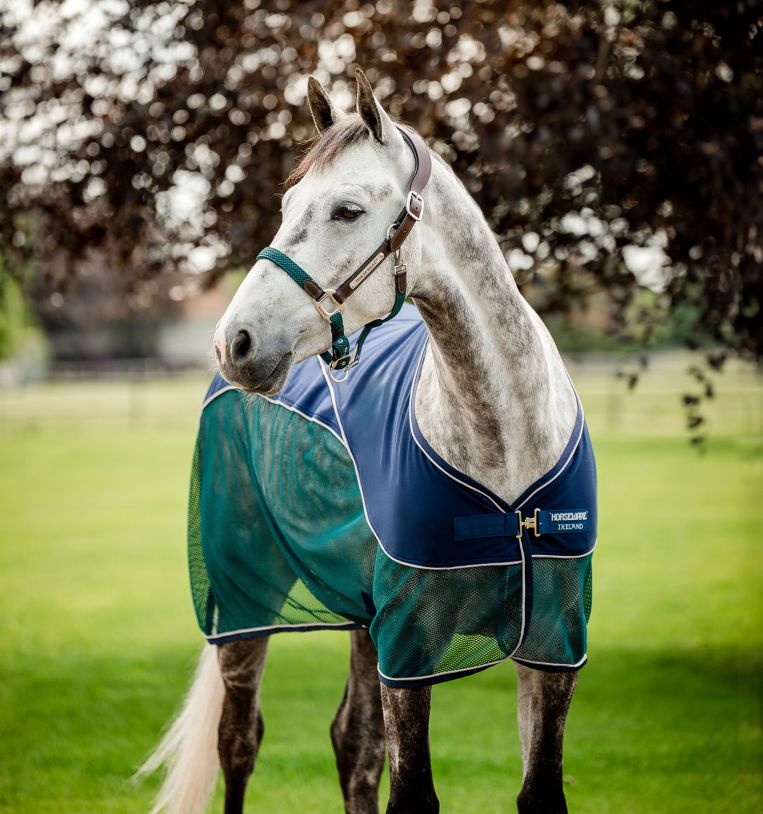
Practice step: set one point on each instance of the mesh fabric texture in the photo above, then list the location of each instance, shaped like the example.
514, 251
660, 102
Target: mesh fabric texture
278, 541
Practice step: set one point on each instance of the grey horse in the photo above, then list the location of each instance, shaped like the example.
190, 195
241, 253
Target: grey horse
494, 400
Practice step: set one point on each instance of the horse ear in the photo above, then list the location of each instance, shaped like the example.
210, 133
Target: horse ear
321, 107
372, 113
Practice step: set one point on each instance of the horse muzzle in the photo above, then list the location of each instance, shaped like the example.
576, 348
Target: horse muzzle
244, 363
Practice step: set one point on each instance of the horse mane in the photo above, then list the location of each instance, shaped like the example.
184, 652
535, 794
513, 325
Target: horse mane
348, 130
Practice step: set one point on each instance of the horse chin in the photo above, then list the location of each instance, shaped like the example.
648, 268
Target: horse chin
272, 390
251, 380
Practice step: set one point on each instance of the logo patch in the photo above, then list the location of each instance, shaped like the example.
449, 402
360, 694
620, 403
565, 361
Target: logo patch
560, 516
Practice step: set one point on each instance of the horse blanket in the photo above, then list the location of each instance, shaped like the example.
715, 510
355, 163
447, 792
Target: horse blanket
325, 507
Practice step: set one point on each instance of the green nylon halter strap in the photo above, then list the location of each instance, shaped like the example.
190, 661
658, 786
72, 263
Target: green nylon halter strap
339, 358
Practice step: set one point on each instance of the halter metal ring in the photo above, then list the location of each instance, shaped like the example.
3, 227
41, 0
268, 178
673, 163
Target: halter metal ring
341, 374
333, 306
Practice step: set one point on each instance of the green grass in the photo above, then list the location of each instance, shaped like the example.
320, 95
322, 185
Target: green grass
99, 639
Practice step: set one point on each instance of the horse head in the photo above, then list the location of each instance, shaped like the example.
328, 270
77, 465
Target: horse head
343, 197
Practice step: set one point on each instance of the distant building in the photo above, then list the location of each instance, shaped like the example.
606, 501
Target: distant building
186, 341
93, 321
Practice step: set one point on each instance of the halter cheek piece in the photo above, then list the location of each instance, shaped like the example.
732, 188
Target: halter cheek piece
329, 302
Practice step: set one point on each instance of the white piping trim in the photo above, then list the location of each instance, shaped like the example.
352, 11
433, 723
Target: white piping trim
375, 533
481, 667
349, 452
444, 673
544, 484
324, 368
448, 567
306, 417
280, 404
411, 395
581, 413
563, 556
540, 486
218, 393
305, 626
524, 598
556, 663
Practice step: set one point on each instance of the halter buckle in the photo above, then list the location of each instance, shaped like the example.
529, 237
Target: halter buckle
401, 275
334, 306
414, 198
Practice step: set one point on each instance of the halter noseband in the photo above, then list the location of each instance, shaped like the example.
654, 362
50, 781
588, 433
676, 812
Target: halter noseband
328, 302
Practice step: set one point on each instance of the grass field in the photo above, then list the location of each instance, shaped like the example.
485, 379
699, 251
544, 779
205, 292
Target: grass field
99, 639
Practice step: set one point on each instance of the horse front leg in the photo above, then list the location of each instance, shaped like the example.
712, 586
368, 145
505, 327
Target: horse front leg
406, 723
241, 727
357, 731
543, 700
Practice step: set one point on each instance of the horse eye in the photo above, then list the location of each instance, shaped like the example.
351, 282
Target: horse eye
347, 212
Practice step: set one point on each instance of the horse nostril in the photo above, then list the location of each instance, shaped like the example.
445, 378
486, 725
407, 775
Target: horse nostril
241, 346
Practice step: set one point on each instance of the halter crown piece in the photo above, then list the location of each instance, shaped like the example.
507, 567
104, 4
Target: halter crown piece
329, 302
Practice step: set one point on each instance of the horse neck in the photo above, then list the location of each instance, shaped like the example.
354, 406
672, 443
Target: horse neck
494, 399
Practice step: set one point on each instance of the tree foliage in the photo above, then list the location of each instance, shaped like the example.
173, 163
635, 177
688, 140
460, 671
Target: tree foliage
611, 145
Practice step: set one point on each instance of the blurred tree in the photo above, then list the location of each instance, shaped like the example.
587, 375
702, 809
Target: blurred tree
614, 146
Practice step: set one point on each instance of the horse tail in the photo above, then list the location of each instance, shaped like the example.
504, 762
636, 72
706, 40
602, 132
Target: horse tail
188, 749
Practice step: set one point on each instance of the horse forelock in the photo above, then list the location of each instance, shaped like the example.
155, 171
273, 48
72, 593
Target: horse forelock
347, 131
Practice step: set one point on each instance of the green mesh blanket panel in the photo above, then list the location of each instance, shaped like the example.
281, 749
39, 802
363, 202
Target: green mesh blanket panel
261, 540
556, 635
278, 541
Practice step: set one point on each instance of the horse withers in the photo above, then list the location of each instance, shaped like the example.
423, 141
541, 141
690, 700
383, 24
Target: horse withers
427, 483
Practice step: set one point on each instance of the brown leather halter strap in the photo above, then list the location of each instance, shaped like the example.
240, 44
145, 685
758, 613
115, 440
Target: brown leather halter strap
405, 221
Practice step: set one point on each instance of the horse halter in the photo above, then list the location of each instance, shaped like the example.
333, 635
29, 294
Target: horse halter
329, 302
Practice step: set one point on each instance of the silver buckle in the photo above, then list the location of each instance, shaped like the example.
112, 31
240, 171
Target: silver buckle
340, 375
414, 196
327, 313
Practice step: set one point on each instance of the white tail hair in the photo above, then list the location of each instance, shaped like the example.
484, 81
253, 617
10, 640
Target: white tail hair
189, 747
